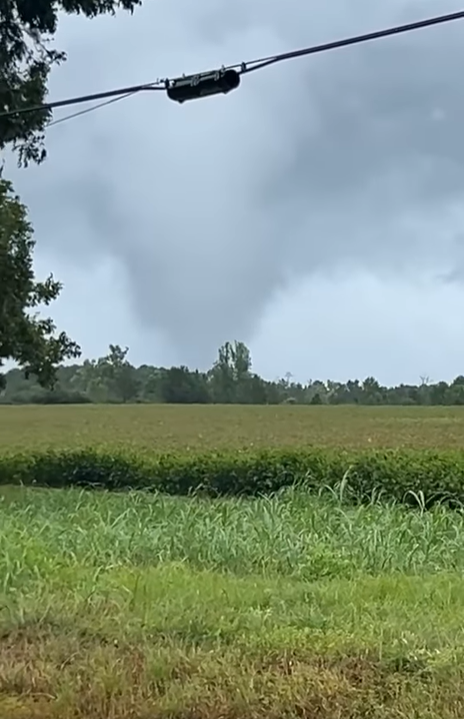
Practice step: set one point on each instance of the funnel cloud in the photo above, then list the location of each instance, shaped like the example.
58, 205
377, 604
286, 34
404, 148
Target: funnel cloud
317, 178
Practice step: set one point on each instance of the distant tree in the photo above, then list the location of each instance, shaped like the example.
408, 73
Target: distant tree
455, 394
150, 379
88, 379
230, 374
119, 375
180, 386
353, 391
58, 396
111, 378
372, 391
25, 337
335, 392
438, 393
258, 390
316, 387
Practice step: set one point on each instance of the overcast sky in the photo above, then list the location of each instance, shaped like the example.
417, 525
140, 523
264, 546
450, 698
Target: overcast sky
315, 213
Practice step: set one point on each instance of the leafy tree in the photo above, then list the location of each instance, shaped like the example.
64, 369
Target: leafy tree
180, 386
372, 391
258, 390
112, 378
27, 30
455, 394
222, 376
316, 388
438, 392
26, 338
88, 380
57, 396
119, 374
353, 391
231, 373
108, 379
150, 379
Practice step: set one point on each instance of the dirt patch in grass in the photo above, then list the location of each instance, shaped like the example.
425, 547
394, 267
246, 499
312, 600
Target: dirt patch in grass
48, 674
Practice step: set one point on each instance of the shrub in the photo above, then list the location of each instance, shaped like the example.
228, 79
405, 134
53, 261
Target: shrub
402, 475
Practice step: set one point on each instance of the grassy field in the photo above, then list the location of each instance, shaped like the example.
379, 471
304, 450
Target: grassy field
203, 427
137, 606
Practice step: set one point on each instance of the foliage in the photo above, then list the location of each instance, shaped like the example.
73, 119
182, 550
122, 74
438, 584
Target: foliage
109, 379
113, 378
25, 337
405, 476
230, 376
27, 28
178, 385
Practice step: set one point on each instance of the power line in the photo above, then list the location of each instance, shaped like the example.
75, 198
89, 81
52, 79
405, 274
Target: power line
228, 78
357, 40
132, 90
89, 109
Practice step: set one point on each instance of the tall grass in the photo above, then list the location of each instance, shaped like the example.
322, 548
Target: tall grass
137, 606
294, 534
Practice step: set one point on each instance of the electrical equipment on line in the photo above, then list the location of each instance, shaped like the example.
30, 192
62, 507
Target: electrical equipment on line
192, 87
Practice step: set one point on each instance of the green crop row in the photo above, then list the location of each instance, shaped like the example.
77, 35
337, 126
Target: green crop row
403, 475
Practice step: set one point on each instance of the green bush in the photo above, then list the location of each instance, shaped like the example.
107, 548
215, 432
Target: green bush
404, 475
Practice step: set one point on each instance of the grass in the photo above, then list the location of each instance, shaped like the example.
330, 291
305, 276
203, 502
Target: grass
203, 427
137, 606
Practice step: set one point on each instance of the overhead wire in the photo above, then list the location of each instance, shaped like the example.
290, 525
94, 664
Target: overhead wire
111, 96
89, 109
132, 90
355, 40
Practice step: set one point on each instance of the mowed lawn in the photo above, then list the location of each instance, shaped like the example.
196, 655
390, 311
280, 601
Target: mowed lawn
159, 427
142, 606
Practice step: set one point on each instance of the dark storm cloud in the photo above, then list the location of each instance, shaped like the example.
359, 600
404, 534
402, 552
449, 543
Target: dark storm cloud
351, 159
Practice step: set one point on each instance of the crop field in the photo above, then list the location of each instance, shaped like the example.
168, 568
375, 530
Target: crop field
155, 427
296, 604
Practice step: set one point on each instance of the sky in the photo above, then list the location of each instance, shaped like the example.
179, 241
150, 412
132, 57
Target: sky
315, 213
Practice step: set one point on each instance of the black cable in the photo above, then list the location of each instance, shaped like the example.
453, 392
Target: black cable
398, 30
243, 67
83, 98
89, 109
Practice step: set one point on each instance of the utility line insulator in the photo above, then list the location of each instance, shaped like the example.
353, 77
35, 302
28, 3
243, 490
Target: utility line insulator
193, 87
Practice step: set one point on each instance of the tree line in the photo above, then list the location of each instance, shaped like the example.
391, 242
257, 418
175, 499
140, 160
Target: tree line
113, 379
